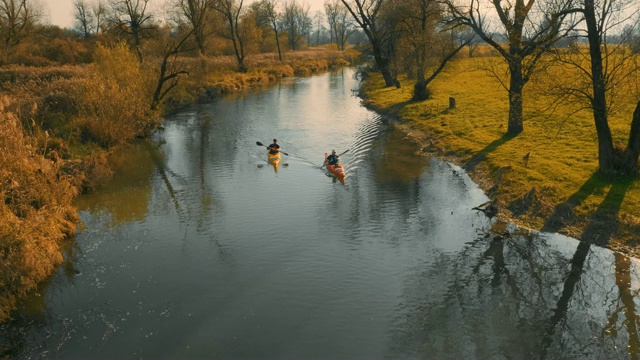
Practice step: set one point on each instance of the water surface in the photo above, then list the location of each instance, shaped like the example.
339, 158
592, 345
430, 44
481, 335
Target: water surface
199, 249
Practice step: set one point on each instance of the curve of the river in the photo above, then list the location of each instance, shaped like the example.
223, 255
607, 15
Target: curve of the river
199, 249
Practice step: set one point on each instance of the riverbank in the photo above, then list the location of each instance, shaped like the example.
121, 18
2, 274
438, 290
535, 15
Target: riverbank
545, 178
58, 126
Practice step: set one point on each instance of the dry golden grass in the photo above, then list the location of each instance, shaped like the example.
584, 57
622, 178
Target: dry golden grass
35, 214
58, 125
115, 100
556, 154
14, 75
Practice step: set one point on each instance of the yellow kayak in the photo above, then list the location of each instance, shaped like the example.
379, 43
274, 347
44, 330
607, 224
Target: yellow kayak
274, 159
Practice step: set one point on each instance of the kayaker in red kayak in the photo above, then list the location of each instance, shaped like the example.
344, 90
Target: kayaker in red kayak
274, 148
332, 159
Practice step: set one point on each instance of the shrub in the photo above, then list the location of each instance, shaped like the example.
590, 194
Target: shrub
115, 100
35, 213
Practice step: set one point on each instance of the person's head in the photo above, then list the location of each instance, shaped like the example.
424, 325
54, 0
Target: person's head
333, 152
275, 141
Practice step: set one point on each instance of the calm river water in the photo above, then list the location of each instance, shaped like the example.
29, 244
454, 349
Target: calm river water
198, 249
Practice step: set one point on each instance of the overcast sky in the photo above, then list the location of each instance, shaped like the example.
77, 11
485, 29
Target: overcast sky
60, 12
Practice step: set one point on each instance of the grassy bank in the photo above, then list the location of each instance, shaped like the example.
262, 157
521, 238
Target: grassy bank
548, 175
58, 125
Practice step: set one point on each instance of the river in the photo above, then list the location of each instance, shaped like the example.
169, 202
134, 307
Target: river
199, 249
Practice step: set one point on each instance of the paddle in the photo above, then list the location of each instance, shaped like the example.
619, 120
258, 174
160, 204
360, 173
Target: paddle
342, 153
261, 144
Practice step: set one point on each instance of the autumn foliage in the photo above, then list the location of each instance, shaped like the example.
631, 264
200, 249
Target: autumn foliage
69, 98
115, 98
35, 213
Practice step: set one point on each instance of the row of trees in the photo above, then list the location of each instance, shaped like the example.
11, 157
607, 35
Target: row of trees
265, 25
217, 27
524, 33
415, 36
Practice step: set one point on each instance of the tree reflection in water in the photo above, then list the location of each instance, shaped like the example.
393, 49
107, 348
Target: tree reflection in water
520, 296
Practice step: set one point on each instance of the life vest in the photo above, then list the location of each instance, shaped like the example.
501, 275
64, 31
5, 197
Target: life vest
274, 148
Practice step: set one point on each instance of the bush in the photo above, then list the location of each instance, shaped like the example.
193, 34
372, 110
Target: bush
115, 104
35, 213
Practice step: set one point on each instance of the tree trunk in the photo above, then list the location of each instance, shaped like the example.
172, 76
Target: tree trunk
199, 41
383, 65
606, 159
275, 30
136, 40
631, 153
516, 84
420, 91
237, 47
292, 41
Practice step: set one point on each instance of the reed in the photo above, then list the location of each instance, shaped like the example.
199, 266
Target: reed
35, 214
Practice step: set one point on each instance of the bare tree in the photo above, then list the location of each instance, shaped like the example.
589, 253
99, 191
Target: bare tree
599, 18
170, 71
468, 33
306, 23
231, 10
430, 45
340, 22
530, 29
83, 17
319, 21
599, 75
296, 22
344, 29
196, 13
367, 14
272, 17
18, 20
132, 18
331, 10
99, 10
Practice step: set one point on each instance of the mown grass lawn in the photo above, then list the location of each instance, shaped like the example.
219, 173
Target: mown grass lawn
554, 159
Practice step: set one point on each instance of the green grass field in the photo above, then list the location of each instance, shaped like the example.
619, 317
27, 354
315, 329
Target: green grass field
569, 198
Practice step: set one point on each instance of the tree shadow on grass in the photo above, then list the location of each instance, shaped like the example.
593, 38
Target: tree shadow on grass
397, 108
603, 222
481, 155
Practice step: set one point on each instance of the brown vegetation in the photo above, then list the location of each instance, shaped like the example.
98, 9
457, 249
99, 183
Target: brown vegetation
59, 123
35, 213
212, 76
70, 98
115, 99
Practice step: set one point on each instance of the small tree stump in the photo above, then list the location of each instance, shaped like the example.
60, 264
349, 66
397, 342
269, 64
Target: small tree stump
452, 103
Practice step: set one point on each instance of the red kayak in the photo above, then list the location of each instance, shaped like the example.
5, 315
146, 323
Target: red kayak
337, 170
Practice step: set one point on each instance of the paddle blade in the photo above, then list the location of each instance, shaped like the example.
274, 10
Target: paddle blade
259, 143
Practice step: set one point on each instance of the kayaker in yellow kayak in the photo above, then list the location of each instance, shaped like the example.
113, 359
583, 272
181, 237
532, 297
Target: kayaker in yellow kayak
274, 148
